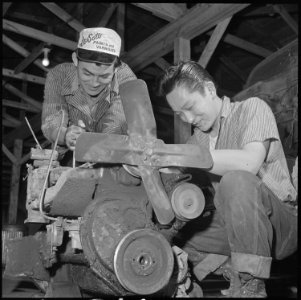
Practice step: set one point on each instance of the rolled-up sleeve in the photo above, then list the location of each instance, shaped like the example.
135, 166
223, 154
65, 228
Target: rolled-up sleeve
54, 103
114, 120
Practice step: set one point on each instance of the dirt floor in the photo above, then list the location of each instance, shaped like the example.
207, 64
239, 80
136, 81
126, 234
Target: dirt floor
282, 284
276, 287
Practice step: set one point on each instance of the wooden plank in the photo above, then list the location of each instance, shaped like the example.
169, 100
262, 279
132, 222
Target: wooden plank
286, 16
23, 131
196, 21
5, 7
30, 58
39, 35
9, 155
23, 96
107, 15
23, 76
243, 44
162, 63
63, 15
16, 47
166, 11
30, 17
7, 123
182, 52
11, 119
15, 183
235, 41
213, 41
120, 23
18, 105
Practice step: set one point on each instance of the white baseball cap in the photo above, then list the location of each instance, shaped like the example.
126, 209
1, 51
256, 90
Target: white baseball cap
95, 41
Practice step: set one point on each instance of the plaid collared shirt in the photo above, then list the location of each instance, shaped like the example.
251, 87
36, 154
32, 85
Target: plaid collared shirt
249, 121
62, 91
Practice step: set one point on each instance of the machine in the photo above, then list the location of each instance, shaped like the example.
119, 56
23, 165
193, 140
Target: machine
109, 221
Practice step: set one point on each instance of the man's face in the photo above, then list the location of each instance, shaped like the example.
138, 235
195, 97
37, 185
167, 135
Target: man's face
193, 107
93, 78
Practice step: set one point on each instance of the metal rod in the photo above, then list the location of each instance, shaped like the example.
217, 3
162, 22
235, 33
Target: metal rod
33, 134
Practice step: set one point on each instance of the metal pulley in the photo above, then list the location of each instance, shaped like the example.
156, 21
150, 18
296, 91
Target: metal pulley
143, 261
187, 201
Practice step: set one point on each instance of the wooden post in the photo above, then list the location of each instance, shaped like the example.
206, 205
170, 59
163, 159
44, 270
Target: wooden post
15, 183
182, 130
121, 22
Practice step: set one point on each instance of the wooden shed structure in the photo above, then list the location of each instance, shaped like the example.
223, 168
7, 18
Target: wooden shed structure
229, 39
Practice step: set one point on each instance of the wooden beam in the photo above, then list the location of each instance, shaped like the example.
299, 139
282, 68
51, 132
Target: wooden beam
196, 21
266, 10
107, 15
30, 58
232, 40
121, 23
24, 90
29, 17
162, 63
39, 35
23, 96
63, 15
182, 52
7, 123
286, 16
16, 47
5, 7
9, 155
243, 44
15, 183
18, 105
213, 41
233, 68
23, 76
166, 11
23, 131
11, 119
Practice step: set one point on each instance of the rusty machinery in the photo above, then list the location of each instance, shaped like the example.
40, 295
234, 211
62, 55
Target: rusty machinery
106, 237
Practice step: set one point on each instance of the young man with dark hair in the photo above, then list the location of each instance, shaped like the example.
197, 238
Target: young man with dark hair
87, 90
255, 218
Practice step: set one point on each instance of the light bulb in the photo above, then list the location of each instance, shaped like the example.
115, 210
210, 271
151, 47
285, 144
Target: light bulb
45, 61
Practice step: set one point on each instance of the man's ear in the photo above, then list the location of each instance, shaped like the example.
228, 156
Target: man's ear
74, 59
211, 88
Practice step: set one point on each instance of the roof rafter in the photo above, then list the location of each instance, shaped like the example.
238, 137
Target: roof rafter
63, 15
22, 51
39, 35
23, 76
30, 58
196, 21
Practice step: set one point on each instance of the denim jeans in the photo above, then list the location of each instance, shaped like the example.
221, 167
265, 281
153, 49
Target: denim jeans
250, 224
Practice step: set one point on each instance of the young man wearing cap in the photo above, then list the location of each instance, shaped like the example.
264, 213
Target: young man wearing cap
255, 217
87, 90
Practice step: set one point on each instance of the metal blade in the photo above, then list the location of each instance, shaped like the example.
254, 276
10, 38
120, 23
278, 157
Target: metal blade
114, 148
156, 194
181, 155
105, 148
137, 108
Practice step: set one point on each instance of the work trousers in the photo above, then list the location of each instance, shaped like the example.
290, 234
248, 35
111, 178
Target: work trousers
250, 225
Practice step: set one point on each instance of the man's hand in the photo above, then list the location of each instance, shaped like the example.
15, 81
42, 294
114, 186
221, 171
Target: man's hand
73, 133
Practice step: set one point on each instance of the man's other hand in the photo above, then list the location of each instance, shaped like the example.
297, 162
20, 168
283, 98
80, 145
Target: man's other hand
73, 133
